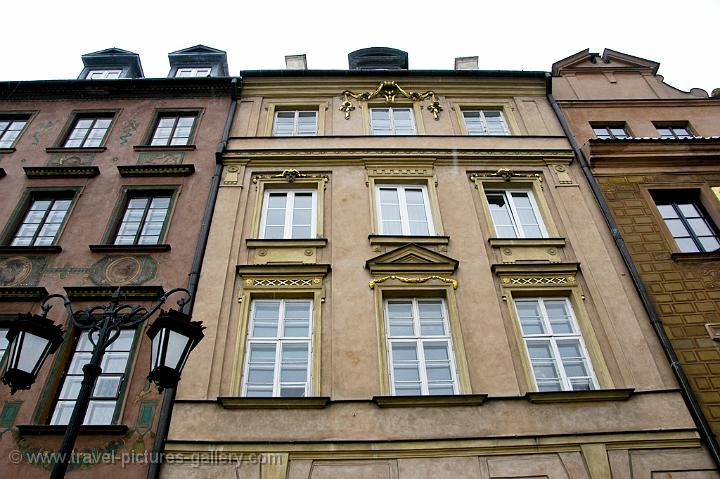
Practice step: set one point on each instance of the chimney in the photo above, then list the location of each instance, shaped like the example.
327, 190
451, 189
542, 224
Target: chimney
378, 58
296, 62
466, 63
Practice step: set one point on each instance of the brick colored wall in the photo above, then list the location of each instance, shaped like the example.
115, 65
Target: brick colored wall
686, 293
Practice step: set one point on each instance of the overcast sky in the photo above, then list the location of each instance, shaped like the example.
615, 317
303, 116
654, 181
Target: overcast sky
44, 39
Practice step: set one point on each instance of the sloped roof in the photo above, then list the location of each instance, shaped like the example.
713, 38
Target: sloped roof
610, 60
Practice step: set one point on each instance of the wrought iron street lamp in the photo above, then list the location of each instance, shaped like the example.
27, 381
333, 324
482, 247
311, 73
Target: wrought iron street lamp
33, 337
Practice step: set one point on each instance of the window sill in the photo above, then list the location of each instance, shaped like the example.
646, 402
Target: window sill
62, 149
318, 402
551, 397
715, 255
22, 293
22, 250
164, 148
156, 170
6, 151
129, 248
463, 400
500, 242
61, 171
286, 243
397, 240
46, 429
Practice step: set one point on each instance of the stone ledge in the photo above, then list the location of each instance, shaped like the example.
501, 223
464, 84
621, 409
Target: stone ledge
396, 240
89, 149
164, 148
127, 293
231, 402
253, 243
61, 171
129, 248
23, 293
430, 401
550, 397
46, 429
156, 170
712, 256
24, 250
500, 242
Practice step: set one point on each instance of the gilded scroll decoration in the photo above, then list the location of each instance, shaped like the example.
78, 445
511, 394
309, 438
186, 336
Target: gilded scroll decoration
506, 174
290, 175
402, 279
390, 90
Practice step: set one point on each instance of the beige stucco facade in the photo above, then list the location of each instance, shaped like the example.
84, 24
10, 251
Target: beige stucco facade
633, 424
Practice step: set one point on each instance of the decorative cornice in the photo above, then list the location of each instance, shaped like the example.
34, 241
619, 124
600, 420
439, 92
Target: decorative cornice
129, 248
26, 250
649, 152
26, 293
506, 174
290, 175
85, 430
389, 90
61, 171
402, 279
185, 169
127, 293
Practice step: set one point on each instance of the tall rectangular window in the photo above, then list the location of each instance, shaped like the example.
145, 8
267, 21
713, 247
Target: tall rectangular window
404, 210
173, 129
10, 128
289, 214
392, 121
515, 214
295, 123
687, 220
42, 221
485, 122
105, 395
88, 131
554, 345
143, 221
419, 344
279, 349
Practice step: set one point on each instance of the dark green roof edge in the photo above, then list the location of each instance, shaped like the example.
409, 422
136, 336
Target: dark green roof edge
418, 73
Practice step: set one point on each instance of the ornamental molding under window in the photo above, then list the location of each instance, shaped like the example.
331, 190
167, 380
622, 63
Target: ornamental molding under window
283, 282
291, 175
424, 279
389, 90
537, 280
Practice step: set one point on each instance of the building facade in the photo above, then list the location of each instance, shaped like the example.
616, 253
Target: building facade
655, 152
104, 185
408, 276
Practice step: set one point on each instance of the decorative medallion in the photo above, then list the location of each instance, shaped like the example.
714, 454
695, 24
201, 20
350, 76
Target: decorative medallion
123, 270
21, 270
71, 159
389, 90
506, 174
290, 175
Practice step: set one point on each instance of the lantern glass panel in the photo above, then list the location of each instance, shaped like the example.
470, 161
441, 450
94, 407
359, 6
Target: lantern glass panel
175, 347
31, 352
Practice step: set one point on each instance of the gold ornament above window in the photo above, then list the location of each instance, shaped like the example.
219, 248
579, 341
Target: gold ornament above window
389, 90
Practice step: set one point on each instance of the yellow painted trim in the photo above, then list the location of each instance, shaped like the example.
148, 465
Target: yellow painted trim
274, 467
263, 182
248, 294
395, 173
533, 184
574, 294
445, 291
271, 106
597, 460
506, 106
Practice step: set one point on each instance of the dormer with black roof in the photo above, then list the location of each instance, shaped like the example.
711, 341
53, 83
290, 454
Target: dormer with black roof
110, 64
378, 58
198, 61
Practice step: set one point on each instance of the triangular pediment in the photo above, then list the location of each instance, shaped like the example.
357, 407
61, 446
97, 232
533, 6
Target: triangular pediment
109, 52
198, 49
610, 60
412, 258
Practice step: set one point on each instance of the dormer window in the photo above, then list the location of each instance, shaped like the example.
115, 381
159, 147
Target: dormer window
103, 74
193, 72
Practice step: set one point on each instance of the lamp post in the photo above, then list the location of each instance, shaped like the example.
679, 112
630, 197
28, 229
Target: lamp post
33, 337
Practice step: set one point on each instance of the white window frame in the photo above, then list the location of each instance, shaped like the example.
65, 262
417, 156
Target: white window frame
405, 222
392, 119
104, 74
193, 72
279, 341
506, 129
10, 134
296, 122
553, 338
514, 216
289, 211
419, 341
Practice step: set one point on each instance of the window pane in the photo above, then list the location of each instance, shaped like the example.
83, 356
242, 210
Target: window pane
530, 318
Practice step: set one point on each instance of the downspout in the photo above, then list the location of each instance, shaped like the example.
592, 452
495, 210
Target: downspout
703, 426
194, 277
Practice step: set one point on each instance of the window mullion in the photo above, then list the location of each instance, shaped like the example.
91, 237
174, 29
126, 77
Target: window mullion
687, 226
42, 222
296, 122
514, 217
391, 116
142, 222
176, 120
404, 220
289, 214
559, 364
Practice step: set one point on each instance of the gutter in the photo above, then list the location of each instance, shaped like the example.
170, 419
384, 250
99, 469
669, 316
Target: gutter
703, 426
169, 396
